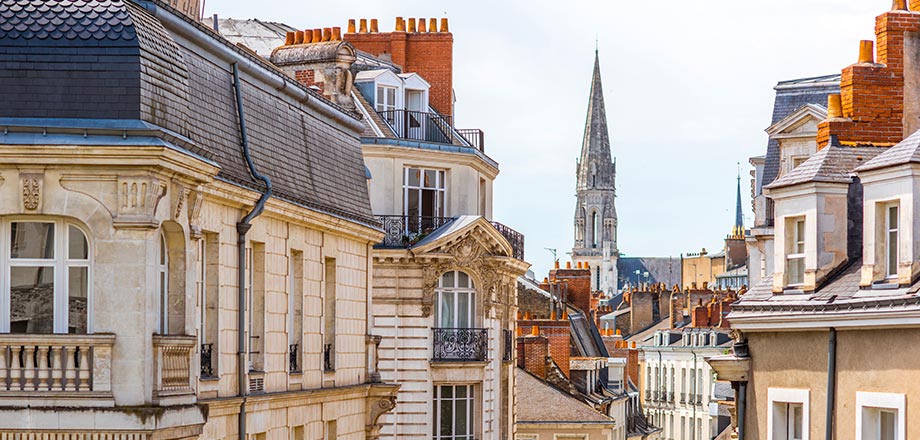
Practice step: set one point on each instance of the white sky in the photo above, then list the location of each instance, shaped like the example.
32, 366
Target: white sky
688, 90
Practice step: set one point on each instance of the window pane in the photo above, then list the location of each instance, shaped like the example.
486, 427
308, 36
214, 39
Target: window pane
414, 177
430, 178
440, 208
893, 253
162, 249
32, 240
800, 237
447, 280
440, 179
77, 247
796, 421
78, 285
446, 310
893, 217
380, 98
32, 299
463, 310
463, 280
391, 97
887, 422
462, 411
447, 414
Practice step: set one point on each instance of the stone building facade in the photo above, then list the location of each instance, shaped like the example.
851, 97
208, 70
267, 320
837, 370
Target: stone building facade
192, 298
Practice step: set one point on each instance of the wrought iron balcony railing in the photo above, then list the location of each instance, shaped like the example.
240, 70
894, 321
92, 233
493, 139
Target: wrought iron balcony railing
405, 231
207, 369
460, 344
430, 127
508, 346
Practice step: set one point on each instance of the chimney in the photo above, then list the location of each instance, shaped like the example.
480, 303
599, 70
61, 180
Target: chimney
430, 54
374, 26
351, 25
532, 353
319, 59
363, 28
558, 339
700, 316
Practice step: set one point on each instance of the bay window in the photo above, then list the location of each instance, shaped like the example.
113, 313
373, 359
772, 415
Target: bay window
424, 193
46, 282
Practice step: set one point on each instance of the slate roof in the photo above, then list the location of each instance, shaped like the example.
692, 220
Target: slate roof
660, 269
540, 402
129, 68
260, 36
790, 96
831, 164
906, 151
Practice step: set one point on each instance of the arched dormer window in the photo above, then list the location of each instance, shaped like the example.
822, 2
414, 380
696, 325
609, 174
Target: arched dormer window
47, 289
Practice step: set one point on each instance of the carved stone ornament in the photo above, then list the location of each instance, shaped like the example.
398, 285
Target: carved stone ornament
377, 407
31, 191
195, 200
138, 198
466, 251
181, 198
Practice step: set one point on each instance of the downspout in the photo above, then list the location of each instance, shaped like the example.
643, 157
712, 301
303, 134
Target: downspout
241, 229
742, 402
698, 391
831, 383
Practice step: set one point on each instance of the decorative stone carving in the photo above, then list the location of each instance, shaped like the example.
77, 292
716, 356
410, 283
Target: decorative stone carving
31, 191
138, 198
181, 197
195, 200
466, 251
377, 405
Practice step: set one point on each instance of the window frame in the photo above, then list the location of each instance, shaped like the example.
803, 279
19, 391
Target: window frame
60, 263
471, 292
440, 189
781, 396
797, 249
162, 267
882, 401
889, 247
473, 408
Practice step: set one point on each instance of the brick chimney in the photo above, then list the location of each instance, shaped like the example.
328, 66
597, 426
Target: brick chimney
624, 349
426, 50
532, 352
319, 58
577, 286
875, 110
558, 336
700, 316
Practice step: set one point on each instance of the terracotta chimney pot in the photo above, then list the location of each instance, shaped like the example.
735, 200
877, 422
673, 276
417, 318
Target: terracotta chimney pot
289, 38
363, 28
899, 5
432, 24
374, 26
444, 27
336, 34
400, 24
351, 25
535, 330
834, 106
865, 52
421, 25
317, 36
298, 37
568, 264
411, 28
327, 34
552, 315
518, 331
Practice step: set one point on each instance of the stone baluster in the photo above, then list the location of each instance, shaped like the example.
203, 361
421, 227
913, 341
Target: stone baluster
15, 368
85, 369
70, 374
3, 365
42, 368
56, 368
29, 370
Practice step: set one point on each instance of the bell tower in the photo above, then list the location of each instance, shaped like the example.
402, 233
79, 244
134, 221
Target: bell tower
595, 213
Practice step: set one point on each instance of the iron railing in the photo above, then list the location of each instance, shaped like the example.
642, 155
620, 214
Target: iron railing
475, 137
460, 344
207, 370
293, 359
328, 358
508, 346
514, 237
420, 126
404, 230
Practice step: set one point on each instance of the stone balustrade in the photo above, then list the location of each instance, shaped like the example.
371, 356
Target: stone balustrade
56, 365
173, 357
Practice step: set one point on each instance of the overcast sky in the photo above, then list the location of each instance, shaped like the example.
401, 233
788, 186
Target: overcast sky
688, 89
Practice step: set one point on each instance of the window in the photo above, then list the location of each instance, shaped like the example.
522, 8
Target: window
257, 307
880, 416
209, 288
456, 301
795, 254
454, 412
332, 430
595, 230
163, 286
297, 433
329, 315
295, 310
46, 285
891, 241
787, 414
424, 198
386, 103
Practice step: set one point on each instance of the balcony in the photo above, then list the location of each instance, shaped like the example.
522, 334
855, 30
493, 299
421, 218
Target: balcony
172, 367
460, 344
404, 231
431, 127
56, 367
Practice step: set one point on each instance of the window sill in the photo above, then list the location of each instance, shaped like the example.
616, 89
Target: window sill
209, 379
295, 373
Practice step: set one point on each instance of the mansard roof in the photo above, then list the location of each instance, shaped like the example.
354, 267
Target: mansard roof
595, 156
115, 63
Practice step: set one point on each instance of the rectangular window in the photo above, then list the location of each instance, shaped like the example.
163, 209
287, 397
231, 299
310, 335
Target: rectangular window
788, 414
424, 192
891, 241
386, 104
295, 311
329, 315
209, 272
880, 416
257, 307
332, 430
795, 251
454, 412
297, 433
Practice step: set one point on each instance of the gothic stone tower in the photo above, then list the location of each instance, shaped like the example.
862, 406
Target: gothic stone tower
595, 214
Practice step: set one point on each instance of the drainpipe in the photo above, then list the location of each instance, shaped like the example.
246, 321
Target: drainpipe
241, 229
742, 400
831, 383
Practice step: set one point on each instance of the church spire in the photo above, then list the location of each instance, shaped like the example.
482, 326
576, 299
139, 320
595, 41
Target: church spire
595, 164
738, 228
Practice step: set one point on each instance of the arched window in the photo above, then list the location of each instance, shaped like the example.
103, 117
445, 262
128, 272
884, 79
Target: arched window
46, 277
163, 286
595, 230
456, 301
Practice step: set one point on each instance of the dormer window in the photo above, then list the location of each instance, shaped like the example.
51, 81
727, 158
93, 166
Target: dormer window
891, 240
795, 251
386, 102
